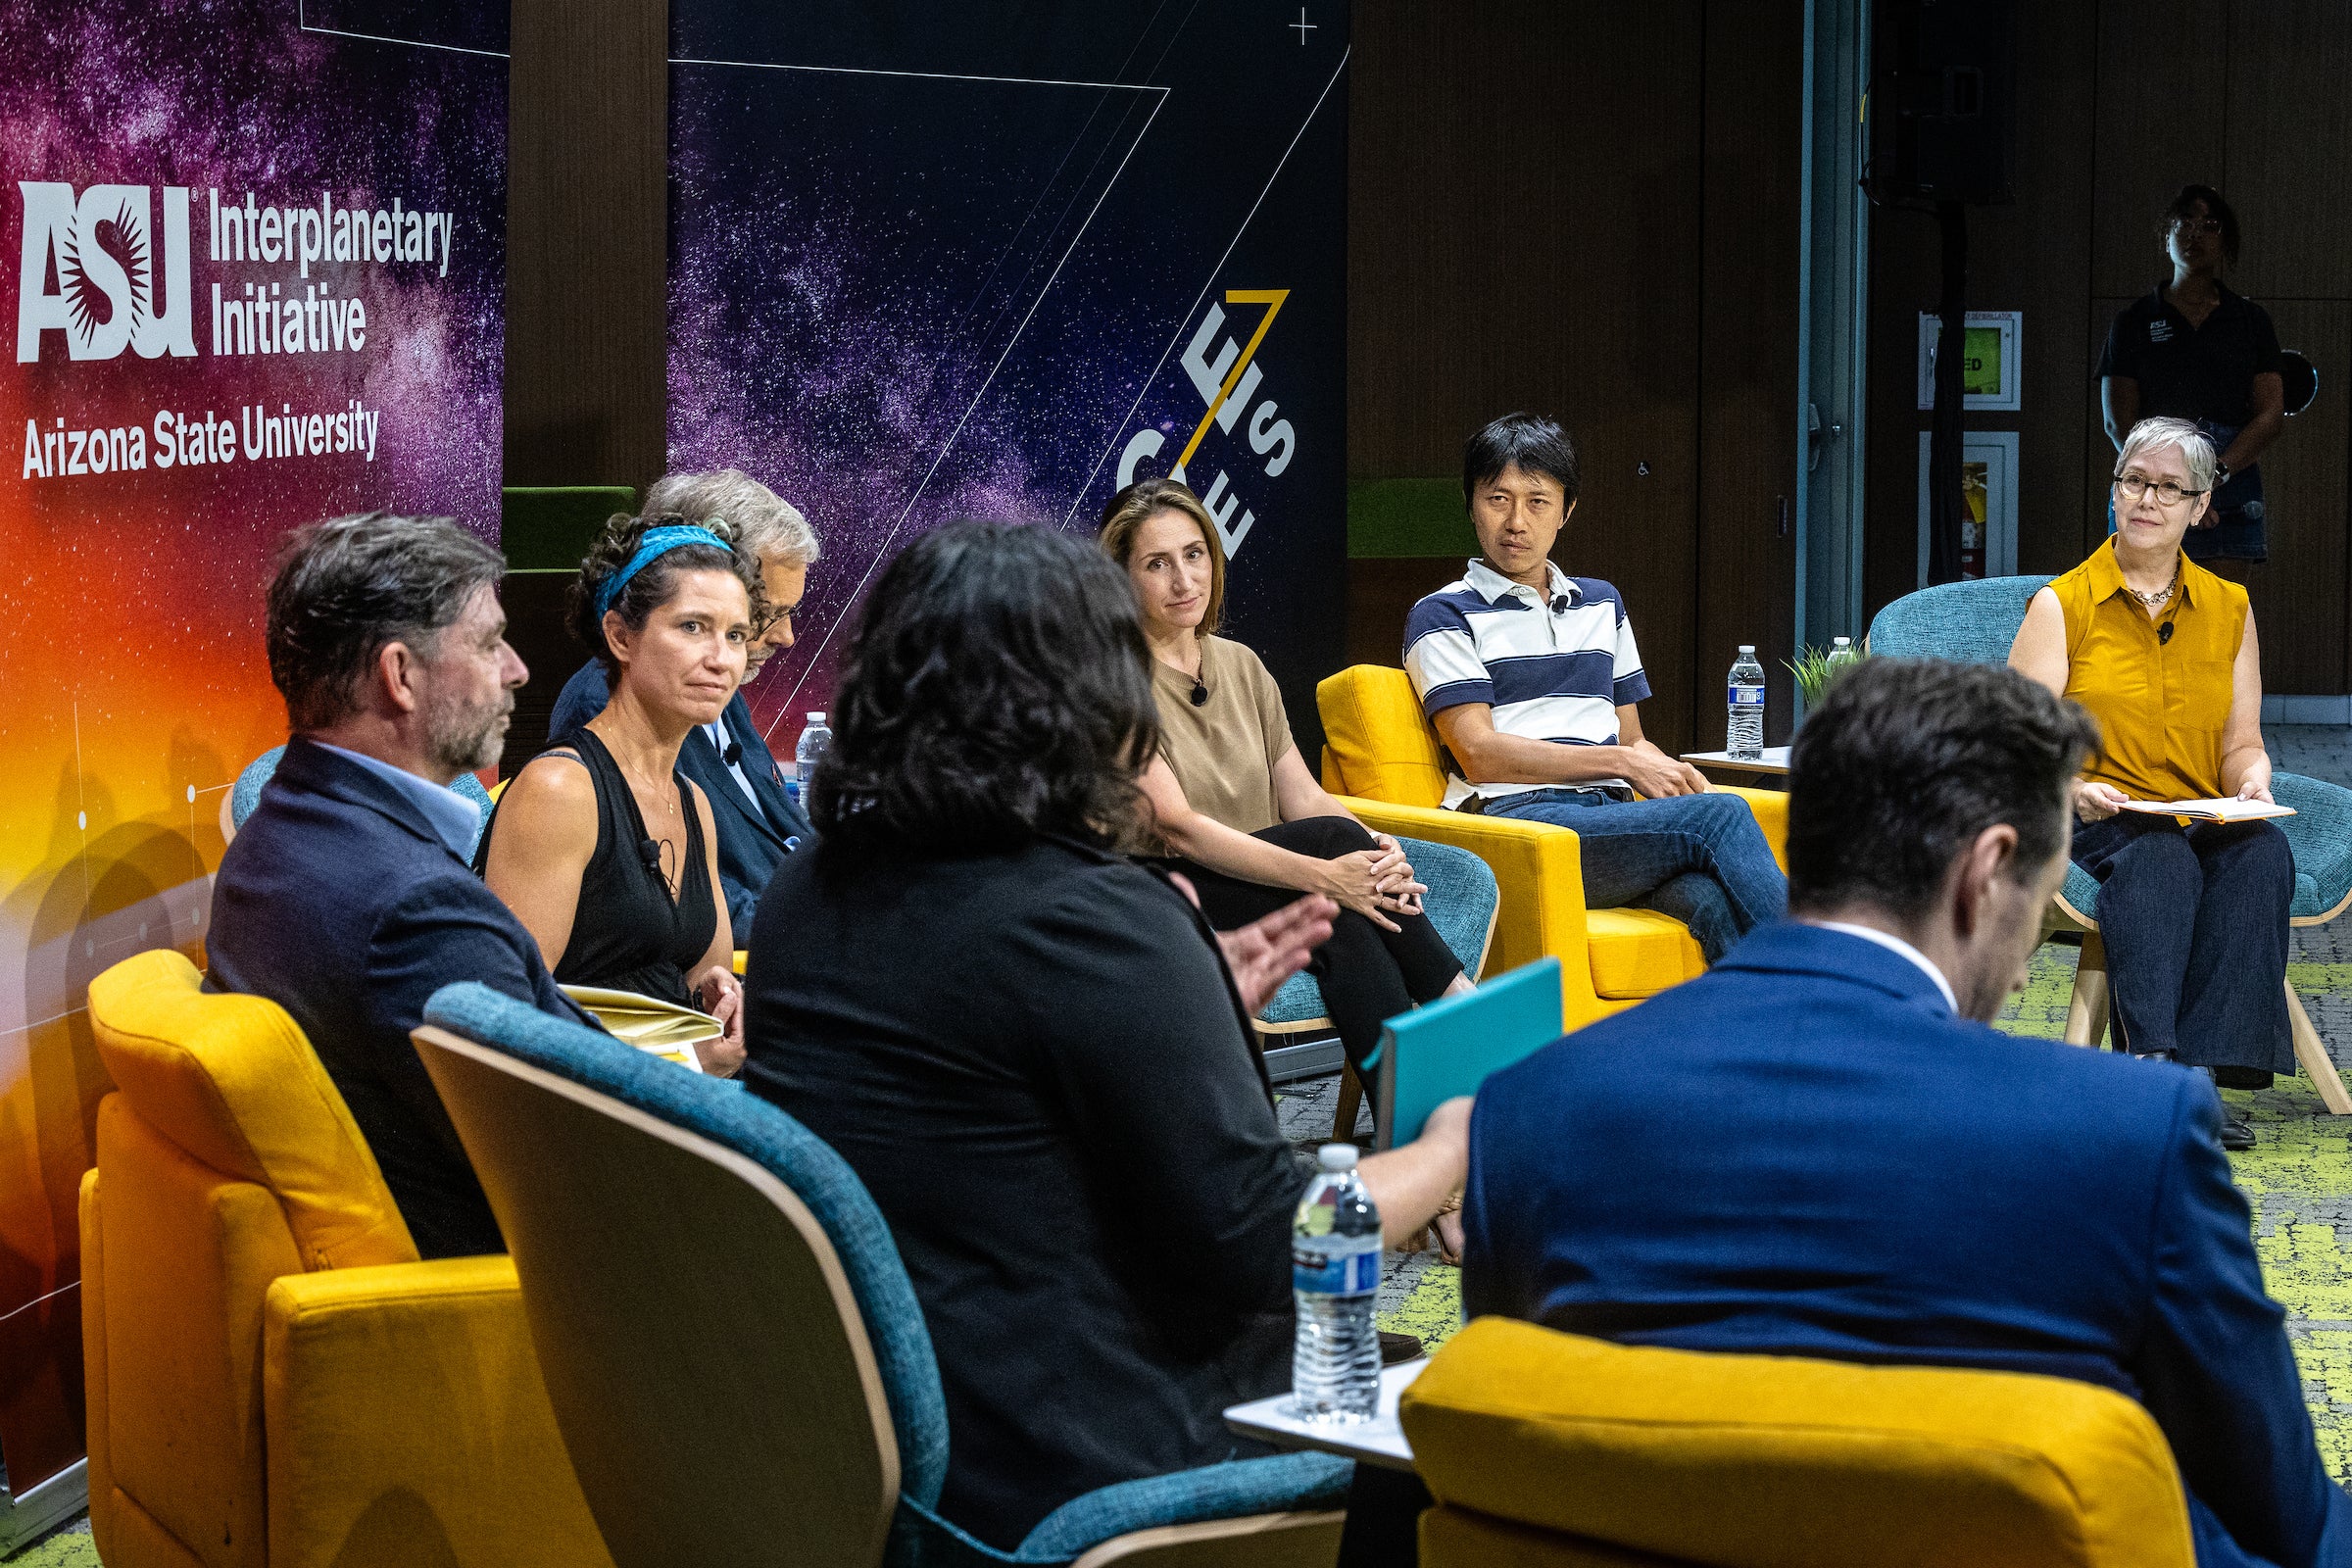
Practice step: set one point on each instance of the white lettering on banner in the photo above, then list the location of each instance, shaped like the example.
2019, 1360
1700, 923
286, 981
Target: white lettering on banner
1210, 360
113, 291
98, 269
186, 441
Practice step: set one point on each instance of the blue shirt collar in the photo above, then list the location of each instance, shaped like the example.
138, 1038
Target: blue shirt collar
457, 820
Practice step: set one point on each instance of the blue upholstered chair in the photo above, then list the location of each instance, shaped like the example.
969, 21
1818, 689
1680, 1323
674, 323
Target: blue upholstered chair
736, 1358
1976, 622
1461, 904
246, 793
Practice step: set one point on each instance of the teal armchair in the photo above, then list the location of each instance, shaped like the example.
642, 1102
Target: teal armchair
1975, 622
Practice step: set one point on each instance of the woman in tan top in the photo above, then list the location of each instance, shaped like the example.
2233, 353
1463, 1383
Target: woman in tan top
1233, 800
2164, 654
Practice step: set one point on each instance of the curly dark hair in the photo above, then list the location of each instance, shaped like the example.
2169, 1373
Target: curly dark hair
653, 583
1906, 761
999, 688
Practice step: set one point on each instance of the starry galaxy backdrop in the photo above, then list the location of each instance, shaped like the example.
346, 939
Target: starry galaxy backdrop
932, 262
132, 686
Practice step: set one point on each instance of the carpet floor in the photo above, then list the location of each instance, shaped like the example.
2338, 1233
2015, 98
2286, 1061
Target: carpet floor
2298, 1178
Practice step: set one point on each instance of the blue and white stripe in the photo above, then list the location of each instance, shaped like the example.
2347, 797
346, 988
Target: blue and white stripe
1553, 668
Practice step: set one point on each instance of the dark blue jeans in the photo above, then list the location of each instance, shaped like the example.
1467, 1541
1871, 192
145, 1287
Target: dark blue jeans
2194, 921
1700, 858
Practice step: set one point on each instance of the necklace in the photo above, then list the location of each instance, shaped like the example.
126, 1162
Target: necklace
2162, 596
655, 849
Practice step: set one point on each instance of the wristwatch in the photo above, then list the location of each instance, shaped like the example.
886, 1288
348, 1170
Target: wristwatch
2220, 475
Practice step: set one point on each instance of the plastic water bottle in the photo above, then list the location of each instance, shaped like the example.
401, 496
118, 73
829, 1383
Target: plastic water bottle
1334, 1275
1841, 651
814, 738
1744, 733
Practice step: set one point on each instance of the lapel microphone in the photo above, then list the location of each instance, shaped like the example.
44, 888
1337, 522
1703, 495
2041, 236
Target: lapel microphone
1200, 692
649, 852
1559, 603
2164, 634
733, 754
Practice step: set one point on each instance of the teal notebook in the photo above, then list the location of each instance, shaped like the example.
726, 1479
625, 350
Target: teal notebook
1431, 1054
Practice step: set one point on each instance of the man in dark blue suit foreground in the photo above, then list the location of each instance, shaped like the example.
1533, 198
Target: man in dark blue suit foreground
758, 822
1820, 1149
346, 898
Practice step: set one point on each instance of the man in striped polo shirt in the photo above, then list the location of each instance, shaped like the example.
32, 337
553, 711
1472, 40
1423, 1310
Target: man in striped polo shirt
1531, 679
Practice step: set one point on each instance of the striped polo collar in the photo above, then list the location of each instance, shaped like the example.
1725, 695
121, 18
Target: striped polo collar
1492, 585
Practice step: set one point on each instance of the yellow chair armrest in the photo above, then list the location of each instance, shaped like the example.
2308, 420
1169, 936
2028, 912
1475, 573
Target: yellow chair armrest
1772, 815
404, 1411
1539, 874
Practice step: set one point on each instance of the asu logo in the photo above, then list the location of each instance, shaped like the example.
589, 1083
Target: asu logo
91, 271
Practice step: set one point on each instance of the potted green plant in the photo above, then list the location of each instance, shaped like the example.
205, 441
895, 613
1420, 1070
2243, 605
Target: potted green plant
1815, 668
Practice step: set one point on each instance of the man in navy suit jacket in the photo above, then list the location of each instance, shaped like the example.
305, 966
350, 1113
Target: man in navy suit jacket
758, 822
346, 898
1820, 1149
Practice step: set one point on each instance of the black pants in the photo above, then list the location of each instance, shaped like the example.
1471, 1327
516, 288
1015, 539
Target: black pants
1367, 975
2194, 921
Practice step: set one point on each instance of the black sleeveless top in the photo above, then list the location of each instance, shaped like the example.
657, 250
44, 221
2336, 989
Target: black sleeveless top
627, 935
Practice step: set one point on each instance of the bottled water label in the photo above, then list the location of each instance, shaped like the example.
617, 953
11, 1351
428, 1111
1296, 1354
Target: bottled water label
1748, 695
1336, 1265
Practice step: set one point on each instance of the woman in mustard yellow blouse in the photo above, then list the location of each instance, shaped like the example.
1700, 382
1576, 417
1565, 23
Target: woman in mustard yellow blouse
2162, 653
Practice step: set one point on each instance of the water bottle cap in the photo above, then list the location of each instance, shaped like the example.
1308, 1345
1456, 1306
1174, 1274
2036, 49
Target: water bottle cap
1748, 648
1842, 642
816, 718
1336, 1157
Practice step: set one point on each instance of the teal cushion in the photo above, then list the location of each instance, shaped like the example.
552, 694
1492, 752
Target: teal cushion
1971, 622
1461, 900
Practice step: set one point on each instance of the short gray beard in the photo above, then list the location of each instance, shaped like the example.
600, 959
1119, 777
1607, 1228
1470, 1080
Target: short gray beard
466, 740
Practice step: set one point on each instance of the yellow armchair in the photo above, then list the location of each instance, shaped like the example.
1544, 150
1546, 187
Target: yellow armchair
1543, 1447
1380, 757
274, 1380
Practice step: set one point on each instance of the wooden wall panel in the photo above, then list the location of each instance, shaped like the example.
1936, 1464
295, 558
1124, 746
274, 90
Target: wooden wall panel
2290, 144
2299, 596
1523, 231
587, 243
1753, 198
2162, 74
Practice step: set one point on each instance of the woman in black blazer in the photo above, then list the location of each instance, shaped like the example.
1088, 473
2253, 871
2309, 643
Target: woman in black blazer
1032, 1048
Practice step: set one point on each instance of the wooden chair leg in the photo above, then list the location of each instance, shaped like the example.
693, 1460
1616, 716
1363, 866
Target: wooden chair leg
2086, 1010
2314, 1057
1352, 1097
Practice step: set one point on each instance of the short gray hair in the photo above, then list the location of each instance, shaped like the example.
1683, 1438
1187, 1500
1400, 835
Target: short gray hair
2154, 435
767, 525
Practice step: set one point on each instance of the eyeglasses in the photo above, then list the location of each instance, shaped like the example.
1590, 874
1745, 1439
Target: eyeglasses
2198, 226
767, 621
2131, 486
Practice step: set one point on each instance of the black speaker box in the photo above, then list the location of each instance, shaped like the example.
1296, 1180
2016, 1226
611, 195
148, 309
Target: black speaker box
1942, 101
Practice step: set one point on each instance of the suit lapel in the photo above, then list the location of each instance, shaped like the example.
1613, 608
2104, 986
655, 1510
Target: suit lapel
706, 767
759, 766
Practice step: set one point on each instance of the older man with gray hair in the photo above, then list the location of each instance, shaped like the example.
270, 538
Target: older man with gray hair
759, 823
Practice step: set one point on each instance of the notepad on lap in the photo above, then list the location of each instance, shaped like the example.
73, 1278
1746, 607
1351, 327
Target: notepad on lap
1431, 1054
663, 1028
2226, 810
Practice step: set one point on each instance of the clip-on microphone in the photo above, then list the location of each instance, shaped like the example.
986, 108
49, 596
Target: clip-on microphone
649, 852
733, 754
2164, 634
1559, 603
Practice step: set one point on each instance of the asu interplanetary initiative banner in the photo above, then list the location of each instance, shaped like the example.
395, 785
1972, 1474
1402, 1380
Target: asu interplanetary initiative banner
258, 254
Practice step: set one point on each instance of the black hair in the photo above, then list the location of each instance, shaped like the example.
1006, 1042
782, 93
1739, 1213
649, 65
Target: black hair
999, 688
346, 587
1534, 444
1906, 761
655, 581
2216, 205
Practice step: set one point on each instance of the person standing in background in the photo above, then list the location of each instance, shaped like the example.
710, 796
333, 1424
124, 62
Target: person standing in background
2192, 349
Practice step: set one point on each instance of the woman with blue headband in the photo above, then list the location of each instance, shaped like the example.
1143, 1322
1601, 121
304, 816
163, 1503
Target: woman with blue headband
601, 847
